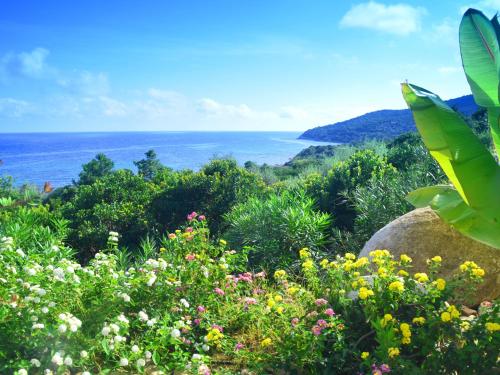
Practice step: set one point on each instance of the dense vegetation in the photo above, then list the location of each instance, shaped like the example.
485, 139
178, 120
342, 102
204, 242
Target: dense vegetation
384, 124
97, 275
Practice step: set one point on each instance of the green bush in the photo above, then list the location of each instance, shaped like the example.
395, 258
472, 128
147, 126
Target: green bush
276, 227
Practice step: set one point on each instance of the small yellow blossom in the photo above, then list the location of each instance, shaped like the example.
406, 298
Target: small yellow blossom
365, 355
421, 277
214, 335
364, 293
445, 316
405, 258
223, 242
418, 320
440, 284
350, 256
403, 273
324, 263
406, 332
492, 327
270, 303
278, 298
396, 286
279, 310
292, 290
437, 259
266, 342
479, 272
393, 352
361, 262
382, 272
280, 274
304, 253
308, 264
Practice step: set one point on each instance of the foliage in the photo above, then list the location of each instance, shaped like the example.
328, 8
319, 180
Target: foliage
98, 167
194, 309
276, 227
149, 167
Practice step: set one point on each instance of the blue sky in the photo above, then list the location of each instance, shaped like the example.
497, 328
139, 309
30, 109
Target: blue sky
222, 64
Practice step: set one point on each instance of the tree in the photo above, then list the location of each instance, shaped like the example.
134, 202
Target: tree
149, 167
98, 167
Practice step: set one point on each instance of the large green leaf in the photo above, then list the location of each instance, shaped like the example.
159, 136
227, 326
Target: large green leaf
450, 207
466, 161
480, 57
494, 122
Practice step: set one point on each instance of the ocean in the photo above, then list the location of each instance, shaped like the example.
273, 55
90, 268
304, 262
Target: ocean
57, 157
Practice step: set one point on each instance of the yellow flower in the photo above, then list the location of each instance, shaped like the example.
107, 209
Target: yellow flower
364, 293
386, 319
270, 303
403, 273
266, 342
365, 355
437, 259
214, 335
445, 316
405, 331
354, 285
350, 256
479, 272
278, 298
279, 310
324, 263
440, 284
308, 264
304, 253
453, 312
361, 262
465, 325
405, 258
382, 272
421, 277
162, 249
396, 286
279, 274
292, 290
223, 242
393, 352
419, 320
492, 327
348, 265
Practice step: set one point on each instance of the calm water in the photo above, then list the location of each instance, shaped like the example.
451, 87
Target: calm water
57, 157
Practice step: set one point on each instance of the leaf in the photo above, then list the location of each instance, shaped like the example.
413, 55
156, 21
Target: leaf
450, 207
105, 346
494, 122
156, 358
465, 160
480, 57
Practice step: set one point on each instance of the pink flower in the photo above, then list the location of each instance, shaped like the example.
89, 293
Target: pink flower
295, 321
190, 257
189, 229
261, 275
322, 323
250, 301
217, 327
329, 312
191, 216
201, 309
201, 217
171, 236
239, 346
385, 368
316, 330
219, 291
320, 302
197, 321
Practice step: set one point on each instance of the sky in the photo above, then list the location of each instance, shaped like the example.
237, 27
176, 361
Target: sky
249, 65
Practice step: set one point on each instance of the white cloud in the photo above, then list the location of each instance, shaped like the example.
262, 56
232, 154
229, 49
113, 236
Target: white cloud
85, 83
13, 107
399, 19
291, 112
112, 107
211, 107
25, 64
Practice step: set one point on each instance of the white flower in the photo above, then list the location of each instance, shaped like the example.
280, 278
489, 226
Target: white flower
68, 361
141, 362
105, 331
114, 327
152, 280
57, 359
135, 349
45, 310
86, 373
148, 354
52, 304
62, 328
31, 271
123, 362
55, 248
58, 274
41, 292
84, 354
122, 319
34, 318
38, 326
20, 253
48, 372
196, 357
184, 302
175, 333
125, 297
151, 322
35, 362
143, 316
22, 372
205, 347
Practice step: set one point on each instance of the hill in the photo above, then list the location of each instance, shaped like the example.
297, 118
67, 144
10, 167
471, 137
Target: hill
383, 124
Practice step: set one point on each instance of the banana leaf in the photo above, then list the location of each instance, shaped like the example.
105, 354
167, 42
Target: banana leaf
450, 207
481, 57
468, 164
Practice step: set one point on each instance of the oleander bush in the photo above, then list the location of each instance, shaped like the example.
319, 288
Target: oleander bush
195, 308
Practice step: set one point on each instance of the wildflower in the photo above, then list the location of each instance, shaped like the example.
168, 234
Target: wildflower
219, 291
84, 354
304, 253
172, 236
437, 259
201, 309
386, 319
278, 298
445, 316
419, 320
141, 362
57, 359
135, 349
35, 362
143, 316
175, 333
266, 342
320, 302
316, 330
324, 263
308, 264
125, 297
184, 303
350, 256
190, 257
393, 352
329, 312
479, 272
364, 293
385, 368
214, 335
280, 274
105, 331
492, 327
22, 372
270, 303
361, 262
382, 272
295, 321
239, 346
223, 242
405, 331
148, 354
440, 284
403, 273
365, 355
68, 361
151, 280
292, 290
201, 218
405, 258
421, 277
396, 286
123, 362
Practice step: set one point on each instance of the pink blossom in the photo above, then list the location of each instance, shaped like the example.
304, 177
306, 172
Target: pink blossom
191, 216
172, 236
190, 257
239, 346
329, 312
201, 309
189, 229
250, 301
320, 302
316, 330
322, 323
261, 275
219, 291
217, 327
197, 321
201, 217
385, 368
295, 321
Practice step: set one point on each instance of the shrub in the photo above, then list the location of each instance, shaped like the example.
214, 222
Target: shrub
276, 227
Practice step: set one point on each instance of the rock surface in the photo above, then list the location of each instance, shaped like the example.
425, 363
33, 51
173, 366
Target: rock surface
421, 234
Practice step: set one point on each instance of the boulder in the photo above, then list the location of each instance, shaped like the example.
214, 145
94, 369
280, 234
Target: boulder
421, 234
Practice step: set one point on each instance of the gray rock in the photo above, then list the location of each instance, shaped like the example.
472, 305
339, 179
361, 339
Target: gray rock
421, 234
